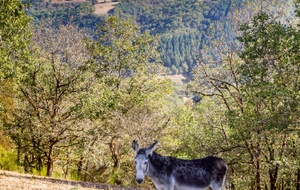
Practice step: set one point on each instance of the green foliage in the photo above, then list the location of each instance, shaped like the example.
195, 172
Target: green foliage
181, 25
259, 88
185, 27
15, 37
41, 171
170, 15
297, 4
80, 101
178, 51
130, 97
8, 159
80, 14
270, 73
49, 102
8, 156
270, 81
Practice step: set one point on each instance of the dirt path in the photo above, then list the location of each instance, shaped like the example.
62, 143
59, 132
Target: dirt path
16, 181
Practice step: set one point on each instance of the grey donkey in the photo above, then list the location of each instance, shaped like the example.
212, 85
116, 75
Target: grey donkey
169, 173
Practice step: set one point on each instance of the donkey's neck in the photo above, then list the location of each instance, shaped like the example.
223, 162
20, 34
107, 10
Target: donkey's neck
158, 163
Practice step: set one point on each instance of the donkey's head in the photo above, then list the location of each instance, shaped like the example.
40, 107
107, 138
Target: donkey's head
141, 159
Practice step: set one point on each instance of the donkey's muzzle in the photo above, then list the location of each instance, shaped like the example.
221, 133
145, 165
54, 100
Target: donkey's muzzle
139, 181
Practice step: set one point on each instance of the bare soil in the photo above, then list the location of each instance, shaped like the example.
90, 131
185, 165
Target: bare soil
101, 8
104, 7
68, 1
15, 181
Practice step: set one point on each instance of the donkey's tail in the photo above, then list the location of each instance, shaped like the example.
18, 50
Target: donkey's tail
226, 181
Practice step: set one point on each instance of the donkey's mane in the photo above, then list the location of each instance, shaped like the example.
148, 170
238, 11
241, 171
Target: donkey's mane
160, 161
157, 160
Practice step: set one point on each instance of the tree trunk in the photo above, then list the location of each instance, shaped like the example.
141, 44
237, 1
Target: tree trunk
79, 168
39, 163
49, 161
273, 170
26, 164
18, 154
257, 176
49, 167
298, 180
114, 152
273, 173
258, 167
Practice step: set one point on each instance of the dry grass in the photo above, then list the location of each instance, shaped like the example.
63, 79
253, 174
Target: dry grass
177, 79
16, 181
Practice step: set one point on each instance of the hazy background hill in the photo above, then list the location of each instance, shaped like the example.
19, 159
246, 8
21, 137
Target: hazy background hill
184, 27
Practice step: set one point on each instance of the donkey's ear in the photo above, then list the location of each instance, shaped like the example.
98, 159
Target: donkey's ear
151, 148
135, 145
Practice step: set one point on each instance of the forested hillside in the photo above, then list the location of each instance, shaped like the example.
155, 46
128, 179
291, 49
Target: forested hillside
187, 26
183, 26
72, 99
55, 14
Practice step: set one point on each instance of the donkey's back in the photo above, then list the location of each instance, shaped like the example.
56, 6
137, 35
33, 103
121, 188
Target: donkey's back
199, 173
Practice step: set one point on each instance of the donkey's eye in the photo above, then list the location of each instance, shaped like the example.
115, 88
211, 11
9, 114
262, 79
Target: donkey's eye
145, 163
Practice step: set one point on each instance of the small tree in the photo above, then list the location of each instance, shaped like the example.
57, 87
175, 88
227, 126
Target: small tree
14, 40
130, 95
260, 90
50, 104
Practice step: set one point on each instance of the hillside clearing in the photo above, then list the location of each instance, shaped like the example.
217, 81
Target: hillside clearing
68, 1
104, 8
101, 8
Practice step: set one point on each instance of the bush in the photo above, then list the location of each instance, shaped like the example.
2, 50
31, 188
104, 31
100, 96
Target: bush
7, 159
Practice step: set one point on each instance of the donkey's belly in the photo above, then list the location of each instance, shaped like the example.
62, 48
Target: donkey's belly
191, 182
186, 187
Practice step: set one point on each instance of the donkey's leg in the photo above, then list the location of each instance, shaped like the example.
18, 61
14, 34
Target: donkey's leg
220, 182
170, 188
171, 184
217, 185
167, 187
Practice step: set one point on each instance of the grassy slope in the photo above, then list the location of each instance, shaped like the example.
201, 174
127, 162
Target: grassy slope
16, 181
